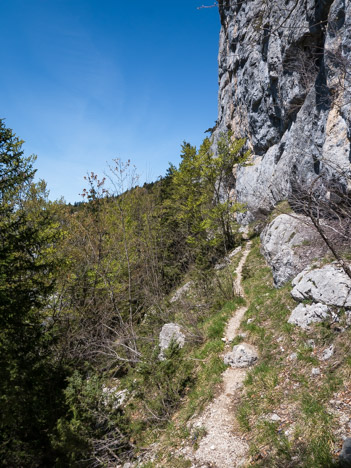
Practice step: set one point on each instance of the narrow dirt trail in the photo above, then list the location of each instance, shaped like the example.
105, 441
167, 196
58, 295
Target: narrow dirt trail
221, 447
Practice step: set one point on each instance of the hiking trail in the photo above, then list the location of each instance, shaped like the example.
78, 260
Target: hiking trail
221, 447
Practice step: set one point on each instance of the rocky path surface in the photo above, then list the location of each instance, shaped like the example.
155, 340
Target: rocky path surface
221, 447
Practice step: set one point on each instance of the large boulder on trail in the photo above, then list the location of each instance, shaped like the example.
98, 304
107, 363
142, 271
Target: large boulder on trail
242, 355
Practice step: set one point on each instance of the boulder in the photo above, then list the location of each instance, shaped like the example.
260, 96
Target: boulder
114, 397
242, 355
226, 260
345, 454
234, 252
329, 285
303, 315
171, 332
289, 244
274, 417
221, 266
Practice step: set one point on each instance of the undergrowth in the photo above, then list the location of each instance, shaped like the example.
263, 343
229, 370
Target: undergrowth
285, 411
166, 394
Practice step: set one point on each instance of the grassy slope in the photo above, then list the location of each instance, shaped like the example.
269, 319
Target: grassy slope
306, 435
194, 372
309, 433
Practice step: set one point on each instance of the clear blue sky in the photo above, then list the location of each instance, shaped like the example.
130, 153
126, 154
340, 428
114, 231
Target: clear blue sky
84, 81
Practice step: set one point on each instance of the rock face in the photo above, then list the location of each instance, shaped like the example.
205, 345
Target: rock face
170, 332
328, 285
289, 244
284, 84
242, 355
303, 315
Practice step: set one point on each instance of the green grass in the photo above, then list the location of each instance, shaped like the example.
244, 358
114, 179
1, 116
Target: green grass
209, 372
281, 386
275, 385
218, 323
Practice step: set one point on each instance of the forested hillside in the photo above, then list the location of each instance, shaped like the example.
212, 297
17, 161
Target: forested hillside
84, 295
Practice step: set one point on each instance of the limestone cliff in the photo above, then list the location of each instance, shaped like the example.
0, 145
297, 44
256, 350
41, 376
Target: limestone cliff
285, 84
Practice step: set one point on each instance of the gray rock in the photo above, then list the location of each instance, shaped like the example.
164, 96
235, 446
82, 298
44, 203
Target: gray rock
170, 332
303, 315
113, 396
292, 357
226, 260
234, 252
345, 454
316, 371
275, 417
328, 285
327, 353
181, 292
290, 431
220, 266
274, 92
289, 244
242, 355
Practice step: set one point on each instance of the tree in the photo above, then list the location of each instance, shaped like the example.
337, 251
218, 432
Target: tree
30, 380
327, 203
200, 198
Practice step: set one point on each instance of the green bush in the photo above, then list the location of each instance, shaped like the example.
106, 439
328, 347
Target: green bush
94, 428
163, 383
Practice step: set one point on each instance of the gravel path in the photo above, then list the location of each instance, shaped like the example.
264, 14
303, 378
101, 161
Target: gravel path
221, 447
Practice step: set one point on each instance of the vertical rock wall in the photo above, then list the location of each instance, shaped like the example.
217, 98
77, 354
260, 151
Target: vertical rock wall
285, 84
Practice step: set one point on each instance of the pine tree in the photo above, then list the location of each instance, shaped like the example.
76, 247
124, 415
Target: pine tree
29, 378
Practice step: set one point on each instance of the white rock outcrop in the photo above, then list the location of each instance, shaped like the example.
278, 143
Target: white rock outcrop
327, 353
113, 396
181, 292
327, 285
303, 315
170, 332
289, 244
242, 355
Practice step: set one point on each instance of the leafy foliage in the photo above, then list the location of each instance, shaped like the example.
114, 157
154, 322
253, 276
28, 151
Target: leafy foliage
83, 294
200, 198
94, 431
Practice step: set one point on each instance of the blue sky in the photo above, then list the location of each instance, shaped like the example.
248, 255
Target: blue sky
85, 81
